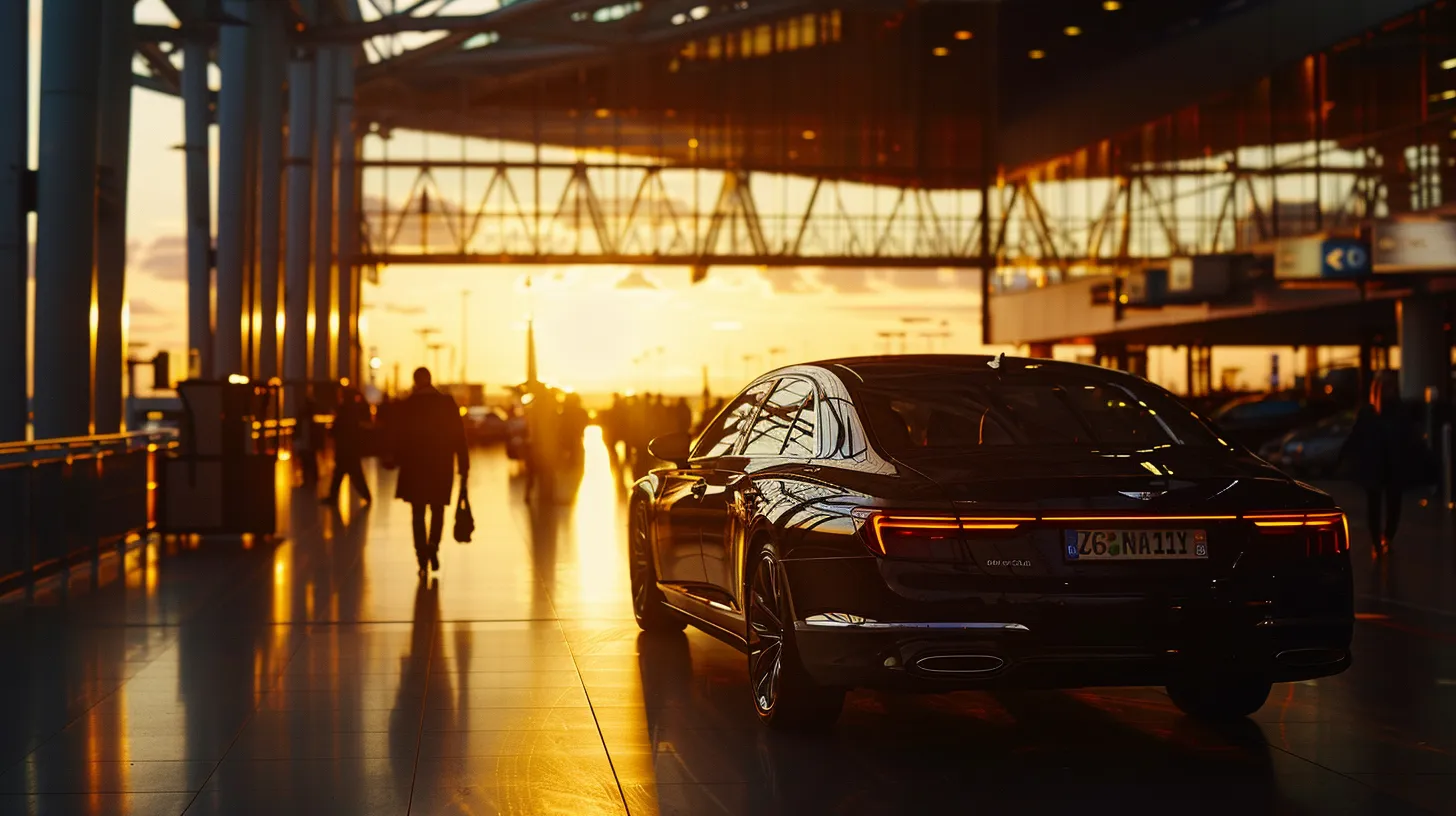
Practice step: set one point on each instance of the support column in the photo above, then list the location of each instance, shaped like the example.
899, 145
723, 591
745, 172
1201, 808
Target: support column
114, 134
323, 219
1312, 387
14, 254
196, 115
347, 220
270, 181
300, 191
1425, 351
65, 255
232, 191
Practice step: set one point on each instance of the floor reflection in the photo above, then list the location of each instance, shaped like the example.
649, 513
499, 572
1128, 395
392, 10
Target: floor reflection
321, 675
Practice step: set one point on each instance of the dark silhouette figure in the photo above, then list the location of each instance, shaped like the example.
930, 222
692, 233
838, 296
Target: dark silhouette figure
429, 438
574, 419
308, 443
1388, 456
348, 433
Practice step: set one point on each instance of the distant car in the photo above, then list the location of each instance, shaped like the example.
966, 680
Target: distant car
1312, 451
1255, 420
485, 426
952, 522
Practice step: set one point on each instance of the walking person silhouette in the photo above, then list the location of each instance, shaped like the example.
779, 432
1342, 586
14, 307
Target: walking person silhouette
429, 440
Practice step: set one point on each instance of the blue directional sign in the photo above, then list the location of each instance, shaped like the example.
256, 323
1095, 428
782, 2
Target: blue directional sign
1344, 258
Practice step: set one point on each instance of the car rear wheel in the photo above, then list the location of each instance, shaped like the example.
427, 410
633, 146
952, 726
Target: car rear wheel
1219, 698
784, 696
648, 604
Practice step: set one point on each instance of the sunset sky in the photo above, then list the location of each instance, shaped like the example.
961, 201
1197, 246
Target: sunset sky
598, 328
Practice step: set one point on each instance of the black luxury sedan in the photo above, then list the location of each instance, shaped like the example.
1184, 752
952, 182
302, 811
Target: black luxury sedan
936, 523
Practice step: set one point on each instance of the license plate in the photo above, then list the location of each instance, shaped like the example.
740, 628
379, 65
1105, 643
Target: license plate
1135, 545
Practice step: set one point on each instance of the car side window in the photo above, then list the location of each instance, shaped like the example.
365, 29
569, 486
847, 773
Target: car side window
721, 438
785, 425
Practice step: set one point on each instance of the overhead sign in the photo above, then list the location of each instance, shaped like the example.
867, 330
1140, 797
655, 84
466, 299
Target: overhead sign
1318, 257
1415, 246
1180, 275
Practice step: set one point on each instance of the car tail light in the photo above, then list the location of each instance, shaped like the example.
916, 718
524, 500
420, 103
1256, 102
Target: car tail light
1322, 533
929, 536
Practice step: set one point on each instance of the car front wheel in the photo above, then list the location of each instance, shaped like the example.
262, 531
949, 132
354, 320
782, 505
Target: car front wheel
1219, 698
784, 696
648, 605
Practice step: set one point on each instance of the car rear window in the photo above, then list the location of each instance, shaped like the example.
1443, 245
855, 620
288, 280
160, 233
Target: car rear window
953, 409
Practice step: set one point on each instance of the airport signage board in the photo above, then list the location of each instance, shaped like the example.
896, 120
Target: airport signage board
1318, 257
1415, 246
1197, 279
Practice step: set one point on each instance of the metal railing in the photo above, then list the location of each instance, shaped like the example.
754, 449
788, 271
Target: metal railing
66, 501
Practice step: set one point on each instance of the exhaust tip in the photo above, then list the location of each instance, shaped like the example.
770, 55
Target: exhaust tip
959, 664
1310, 657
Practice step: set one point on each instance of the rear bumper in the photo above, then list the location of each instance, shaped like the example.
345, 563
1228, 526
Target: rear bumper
1289, 627
916, 657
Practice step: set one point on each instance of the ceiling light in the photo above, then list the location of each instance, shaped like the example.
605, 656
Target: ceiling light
679, 18
1111, 5
940, 51
698, 12
1036, 53
693, 144
1447, 65
809, 135
1072, 31
963, 35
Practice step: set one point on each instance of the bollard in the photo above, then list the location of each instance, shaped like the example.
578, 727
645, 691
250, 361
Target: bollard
1446, 465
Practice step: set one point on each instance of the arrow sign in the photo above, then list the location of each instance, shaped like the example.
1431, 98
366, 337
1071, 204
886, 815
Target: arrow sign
1336, 259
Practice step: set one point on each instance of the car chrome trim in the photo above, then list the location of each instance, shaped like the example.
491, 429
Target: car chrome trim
927, 664
845, 620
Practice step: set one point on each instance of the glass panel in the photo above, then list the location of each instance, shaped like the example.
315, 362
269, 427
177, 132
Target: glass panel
949, 411
786, 419
722, 436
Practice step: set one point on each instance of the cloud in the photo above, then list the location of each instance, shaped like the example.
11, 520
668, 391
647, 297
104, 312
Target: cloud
164, 259
141, 307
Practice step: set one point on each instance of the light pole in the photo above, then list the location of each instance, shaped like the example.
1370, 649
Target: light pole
465, 336
424, 334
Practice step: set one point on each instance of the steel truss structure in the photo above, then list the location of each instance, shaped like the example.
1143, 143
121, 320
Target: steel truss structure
468, 212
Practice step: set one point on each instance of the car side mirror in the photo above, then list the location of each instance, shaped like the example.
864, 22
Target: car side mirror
673, 447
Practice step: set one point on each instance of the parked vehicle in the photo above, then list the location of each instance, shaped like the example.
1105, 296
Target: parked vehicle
951, 522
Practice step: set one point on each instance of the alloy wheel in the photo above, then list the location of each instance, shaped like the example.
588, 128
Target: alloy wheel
641, 567
765, 620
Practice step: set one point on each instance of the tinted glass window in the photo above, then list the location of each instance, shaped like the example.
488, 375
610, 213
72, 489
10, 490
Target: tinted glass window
722, 436
952, 409
785, 425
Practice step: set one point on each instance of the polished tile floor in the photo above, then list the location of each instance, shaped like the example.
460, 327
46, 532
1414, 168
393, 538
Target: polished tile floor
320, 676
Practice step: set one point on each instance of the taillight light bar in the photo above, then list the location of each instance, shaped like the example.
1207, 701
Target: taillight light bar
1325, 532
918, 535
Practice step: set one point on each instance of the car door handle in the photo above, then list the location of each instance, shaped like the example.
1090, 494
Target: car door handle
700, 488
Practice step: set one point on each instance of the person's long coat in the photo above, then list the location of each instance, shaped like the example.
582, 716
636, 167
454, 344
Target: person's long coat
429, 438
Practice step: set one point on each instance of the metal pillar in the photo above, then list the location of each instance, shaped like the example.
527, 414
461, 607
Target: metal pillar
70, 72
270, 178
323, 219
196, 115
114, 134
232, 196
347, 220
1425, 352
295, 289
14, 260
990, 158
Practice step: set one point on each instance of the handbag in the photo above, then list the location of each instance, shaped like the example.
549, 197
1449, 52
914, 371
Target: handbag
464, 519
